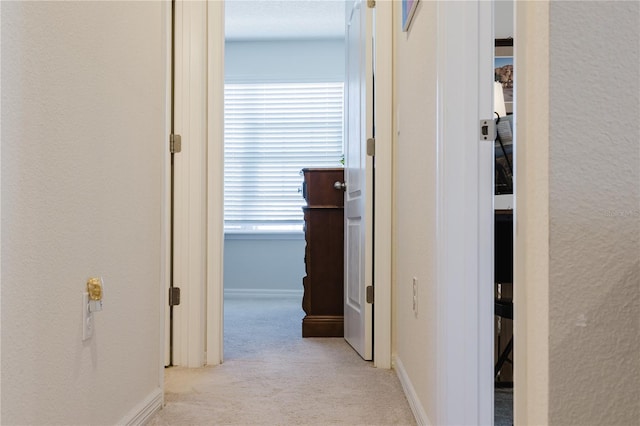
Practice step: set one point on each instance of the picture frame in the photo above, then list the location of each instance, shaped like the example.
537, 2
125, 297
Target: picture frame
408, 11
504, 70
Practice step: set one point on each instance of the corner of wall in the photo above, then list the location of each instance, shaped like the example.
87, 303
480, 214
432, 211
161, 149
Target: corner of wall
412, 397
531, 252
144, 411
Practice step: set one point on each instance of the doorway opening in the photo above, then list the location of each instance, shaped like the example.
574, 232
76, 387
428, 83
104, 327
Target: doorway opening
284, 72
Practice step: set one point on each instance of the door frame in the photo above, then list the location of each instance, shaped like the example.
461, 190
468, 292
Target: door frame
192, 268
215, 182
464, 214
383, 197
208, 333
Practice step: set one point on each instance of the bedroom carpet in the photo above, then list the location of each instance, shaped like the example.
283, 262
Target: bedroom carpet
272, 376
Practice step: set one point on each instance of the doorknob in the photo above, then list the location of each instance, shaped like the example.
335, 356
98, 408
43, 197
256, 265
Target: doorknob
340, 186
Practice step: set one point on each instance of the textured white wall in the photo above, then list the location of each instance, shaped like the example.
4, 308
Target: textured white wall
414, 189
578, 211
83, 118
594, 213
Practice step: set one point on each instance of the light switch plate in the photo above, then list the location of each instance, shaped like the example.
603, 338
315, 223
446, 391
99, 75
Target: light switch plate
87, 318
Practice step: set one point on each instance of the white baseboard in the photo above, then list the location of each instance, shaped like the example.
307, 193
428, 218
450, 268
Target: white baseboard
143, 412
416, 406
266, 292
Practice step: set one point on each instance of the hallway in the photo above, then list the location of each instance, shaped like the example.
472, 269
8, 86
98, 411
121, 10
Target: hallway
273, 376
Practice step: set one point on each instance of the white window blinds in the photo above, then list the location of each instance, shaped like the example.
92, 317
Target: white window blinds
271, 132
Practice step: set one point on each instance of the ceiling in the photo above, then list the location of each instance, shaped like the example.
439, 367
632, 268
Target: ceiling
311, 19
283, 19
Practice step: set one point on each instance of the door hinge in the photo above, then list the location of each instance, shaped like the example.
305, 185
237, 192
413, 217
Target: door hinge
488, 130
175, 143
370, 294
371, 4
174, 296
371, 147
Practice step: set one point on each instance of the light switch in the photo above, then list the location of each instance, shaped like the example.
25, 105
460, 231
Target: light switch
87, 318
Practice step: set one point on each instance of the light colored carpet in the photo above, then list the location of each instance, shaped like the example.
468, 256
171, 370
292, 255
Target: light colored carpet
272, 376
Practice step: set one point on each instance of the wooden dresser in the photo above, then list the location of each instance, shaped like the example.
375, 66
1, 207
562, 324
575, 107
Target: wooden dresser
324, 260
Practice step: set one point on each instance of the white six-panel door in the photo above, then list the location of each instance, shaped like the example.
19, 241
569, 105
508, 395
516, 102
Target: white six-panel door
358, 330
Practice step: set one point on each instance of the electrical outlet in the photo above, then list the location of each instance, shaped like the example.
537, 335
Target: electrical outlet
415, 296
87, 318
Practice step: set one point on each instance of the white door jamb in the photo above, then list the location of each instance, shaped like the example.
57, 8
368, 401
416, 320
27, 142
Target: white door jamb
464, 215
190, 242
383, 167
215, 179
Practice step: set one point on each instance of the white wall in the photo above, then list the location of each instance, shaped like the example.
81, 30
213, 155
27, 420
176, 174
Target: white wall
414, 203
586, 292
594, 227
503, 18
272, 262
83, 142
279, 60
264, 263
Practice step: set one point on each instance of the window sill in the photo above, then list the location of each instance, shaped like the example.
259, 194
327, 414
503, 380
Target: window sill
264, 235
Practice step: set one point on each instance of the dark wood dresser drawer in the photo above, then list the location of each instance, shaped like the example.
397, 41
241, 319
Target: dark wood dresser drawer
318, 187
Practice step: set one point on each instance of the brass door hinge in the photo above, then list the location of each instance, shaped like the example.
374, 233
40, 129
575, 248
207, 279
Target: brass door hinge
370, 294
371, 4
175, 143
174, 296
371, 147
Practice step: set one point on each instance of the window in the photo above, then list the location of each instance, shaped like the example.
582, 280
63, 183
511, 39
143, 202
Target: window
272, 131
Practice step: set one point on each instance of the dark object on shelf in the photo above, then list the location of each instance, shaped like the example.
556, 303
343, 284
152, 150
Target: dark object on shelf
503, 246
504, 42
323, 300
504, 309
503, 306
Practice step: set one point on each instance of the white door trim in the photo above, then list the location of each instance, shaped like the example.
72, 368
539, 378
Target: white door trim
464, 215
383, 167
484, 329
165, 238
190, 242
215, 179
215, 189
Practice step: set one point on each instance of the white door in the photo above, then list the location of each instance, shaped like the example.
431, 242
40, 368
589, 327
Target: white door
358, 330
